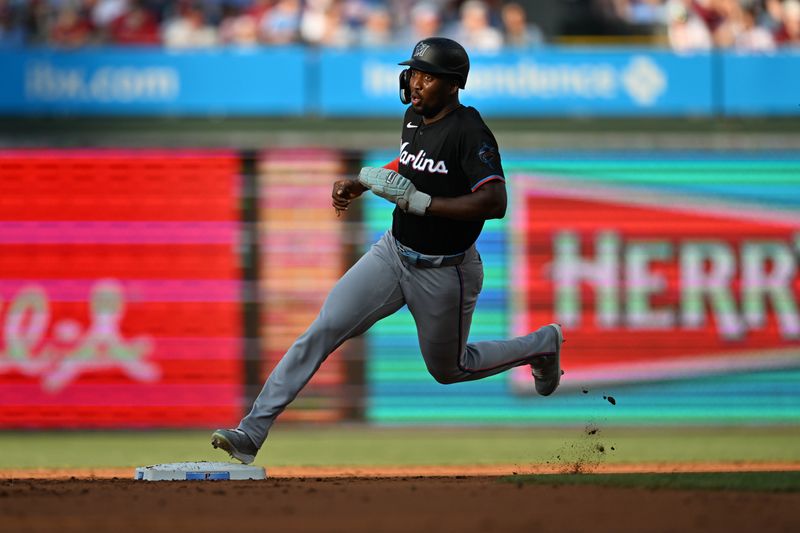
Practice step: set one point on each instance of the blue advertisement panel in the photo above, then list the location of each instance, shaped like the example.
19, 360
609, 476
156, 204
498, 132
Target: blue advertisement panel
761, 85
550, 82
287, 81
151, 81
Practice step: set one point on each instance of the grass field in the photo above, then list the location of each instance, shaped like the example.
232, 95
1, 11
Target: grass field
382, 133
364, 446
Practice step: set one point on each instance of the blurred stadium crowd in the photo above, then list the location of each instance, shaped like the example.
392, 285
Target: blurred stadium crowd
481, 25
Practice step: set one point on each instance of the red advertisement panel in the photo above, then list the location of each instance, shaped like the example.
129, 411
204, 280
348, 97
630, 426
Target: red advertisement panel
119, 289
658, 287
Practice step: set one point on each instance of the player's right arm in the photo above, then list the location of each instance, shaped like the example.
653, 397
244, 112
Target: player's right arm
344, 192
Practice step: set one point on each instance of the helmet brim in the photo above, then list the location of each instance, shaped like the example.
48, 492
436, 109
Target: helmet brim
430, 68
424, 66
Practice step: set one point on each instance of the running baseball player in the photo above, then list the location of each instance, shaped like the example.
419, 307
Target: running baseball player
447, 180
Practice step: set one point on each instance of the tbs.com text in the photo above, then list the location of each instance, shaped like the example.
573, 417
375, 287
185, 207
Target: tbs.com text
47, 82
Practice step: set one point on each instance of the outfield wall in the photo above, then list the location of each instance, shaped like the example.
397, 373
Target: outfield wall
675, 276
297, 81
120, 288
157, 288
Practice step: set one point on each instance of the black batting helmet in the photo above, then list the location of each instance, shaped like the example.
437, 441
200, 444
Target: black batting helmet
438, 55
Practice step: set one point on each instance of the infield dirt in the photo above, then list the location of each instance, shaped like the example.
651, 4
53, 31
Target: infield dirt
378, 504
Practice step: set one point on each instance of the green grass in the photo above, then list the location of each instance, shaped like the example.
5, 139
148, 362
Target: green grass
345, 445
172, 125
548, 132
738, 481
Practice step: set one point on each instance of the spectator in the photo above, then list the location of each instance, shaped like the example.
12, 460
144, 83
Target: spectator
72, 27
12, 29
377, 29
135, 26
105, 12
188, 28
37, 17
788, 33
281, 24
518, 33
322, 24
401, 13
771, 15
238, 28
753, 38
337, 32
313, 20
686, 31
259, 8
426, 21
647, 13
739, 24
598, 17
473, 29
164, 9
706, 11
730, 25
354, 13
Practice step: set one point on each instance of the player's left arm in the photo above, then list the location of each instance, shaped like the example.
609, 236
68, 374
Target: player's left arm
488, 201
481, 165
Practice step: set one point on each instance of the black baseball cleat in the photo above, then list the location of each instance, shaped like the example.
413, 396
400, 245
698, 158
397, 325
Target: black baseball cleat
546, 369
236, 443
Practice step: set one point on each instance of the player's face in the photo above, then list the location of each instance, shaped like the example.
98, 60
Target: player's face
430, 93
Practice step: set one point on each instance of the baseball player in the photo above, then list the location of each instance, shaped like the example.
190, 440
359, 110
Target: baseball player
447, 180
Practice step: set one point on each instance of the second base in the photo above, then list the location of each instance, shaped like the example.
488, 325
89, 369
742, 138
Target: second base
200, 470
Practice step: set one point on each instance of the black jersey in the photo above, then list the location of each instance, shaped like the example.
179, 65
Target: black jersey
452, 157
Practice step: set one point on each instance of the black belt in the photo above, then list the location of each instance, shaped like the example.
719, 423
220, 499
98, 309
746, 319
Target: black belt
416, 259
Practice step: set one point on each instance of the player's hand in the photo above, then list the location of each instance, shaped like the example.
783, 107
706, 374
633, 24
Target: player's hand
396, 188
344, 192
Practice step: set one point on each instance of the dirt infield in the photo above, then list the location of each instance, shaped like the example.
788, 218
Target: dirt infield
379, 504
580, 465
384, 499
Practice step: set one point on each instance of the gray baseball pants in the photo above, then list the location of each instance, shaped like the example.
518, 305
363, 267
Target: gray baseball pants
441, 300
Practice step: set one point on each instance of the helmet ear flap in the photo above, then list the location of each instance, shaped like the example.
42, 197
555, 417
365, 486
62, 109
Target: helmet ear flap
405, 86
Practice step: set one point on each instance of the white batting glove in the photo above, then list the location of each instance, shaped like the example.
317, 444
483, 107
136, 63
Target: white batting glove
396, 188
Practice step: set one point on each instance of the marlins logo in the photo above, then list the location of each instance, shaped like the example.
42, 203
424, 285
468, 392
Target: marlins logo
420, 49
487, 154
419, 162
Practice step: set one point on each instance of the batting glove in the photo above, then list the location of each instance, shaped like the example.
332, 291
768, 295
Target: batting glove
396, 188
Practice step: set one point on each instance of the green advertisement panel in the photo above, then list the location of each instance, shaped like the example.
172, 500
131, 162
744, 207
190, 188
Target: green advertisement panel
675, 276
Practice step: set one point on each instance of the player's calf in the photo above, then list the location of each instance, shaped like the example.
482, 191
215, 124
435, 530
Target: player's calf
546, 368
